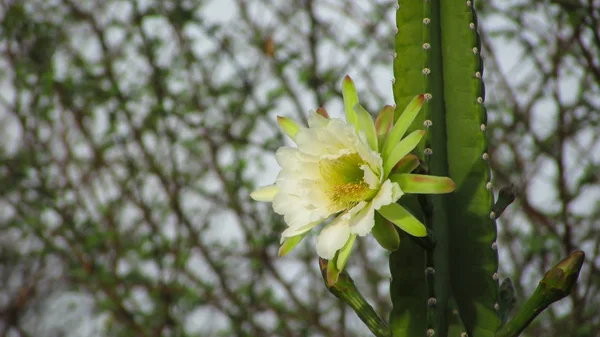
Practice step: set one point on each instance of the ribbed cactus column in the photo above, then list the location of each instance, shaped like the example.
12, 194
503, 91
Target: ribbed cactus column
437, 53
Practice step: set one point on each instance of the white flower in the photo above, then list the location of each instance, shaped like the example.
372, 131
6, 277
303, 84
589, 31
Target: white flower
349, 171
332, 171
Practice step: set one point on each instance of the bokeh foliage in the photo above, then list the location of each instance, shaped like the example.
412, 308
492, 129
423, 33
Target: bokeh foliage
132, 132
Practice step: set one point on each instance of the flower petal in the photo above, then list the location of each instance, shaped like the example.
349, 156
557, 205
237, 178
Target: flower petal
403, 219
295, 231
265, 193
369, 177
362, 223
389, 192
332, 238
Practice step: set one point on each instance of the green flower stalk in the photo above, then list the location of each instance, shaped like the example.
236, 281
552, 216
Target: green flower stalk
353, 171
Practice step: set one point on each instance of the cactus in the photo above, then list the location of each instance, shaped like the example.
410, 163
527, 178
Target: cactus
454, 288
447, 283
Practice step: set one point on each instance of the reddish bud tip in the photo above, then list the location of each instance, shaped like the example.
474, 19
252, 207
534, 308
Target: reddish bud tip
323, 112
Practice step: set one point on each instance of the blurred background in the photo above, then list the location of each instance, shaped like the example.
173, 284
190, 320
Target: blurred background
131, 133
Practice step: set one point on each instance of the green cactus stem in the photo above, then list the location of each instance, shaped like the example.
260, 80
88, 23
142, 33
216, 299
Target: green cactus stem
437, 53
556, 284
345, 290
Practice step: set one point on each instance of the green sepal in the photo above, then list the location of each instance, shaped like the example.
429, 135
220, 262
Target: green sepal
385, 233
402, 218
400, 150
290, 243
384, 123
423, 184
333, 273
289, 126
406, 165
350, 100
402, 124
344, 253
366, 125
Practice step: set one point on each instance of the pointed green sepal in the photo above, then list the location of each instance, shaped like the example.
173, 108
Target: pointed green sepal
288, 126
290, 243
402, 218
402, 124
332, 272
423, 184
402, 149
350, 100
366, 125
344, 253
406, 165
265, 193
385, 233
384, 123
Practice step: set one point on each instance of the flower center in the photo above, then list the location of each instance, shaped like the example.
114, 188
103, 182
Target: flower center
343, 181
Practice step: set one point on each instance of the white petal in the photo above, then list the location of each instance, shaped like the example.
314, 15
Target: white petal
289, 232
363, 221
332, 238
265, 193
317, 121
286, 157
389, 192
370, 178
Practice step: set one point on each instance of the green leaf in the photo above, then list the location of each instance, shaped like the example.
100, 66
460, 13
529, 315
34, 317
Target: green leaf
423, 184
344, 253
403, 219
402, 149
350, 100
366, 125
385, 233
